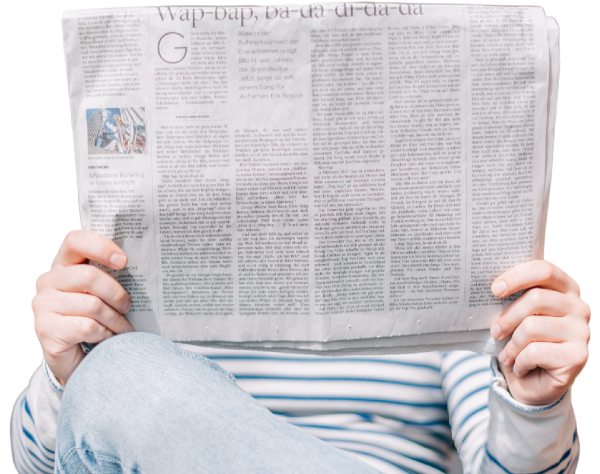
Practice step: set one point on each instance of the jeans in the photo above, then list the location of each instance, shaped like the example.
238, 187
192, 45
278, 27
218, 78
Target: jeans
139, 404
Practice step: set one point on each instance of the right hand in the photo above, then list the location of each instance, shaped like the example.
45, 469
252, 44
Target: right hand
76, 302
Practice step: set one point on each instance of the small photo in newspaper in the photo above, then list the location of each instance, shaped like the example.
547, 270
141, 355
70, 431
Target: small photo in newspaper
116, 130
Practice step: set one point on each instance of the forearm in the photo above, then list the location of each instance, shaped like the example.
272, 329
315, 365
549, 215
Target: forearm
525, 438
494, 433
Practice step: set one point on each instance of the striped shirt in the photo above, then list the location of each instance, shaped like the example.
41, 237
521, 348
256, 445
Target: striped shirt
399, 414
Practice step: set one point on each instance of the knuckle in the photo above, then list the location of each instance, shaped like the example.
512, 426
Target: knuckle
92, 304
586, 334
576, 284
526, 331
510, 348
39, 303
519, 365
87, 326
121, 295
36, 304
576, 288
508, 321
536, 297
41, 329
515, 341
87, 275
513, 320
545, 269
113, 319
581, 357
585, 310
42, 282
529, 326
71, 238
532, 352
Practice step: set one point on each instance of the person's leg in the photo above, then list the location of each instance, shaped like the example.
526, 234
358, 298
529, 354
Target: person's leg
140, 404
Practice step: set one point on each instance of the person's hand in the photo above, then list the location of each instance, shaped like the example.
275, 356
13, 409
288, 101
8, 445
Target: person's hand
550, 332
76, 302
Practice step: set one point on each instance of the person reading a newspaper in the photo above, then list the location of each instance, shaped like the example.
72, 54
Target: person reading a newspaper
138, 403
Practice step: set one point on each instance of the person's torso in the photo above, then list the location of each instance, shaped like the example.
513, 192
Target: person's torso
390, 411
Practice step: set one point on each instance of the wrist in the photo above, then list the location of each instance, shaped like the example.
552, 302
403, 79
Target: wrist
508, 387
57, 385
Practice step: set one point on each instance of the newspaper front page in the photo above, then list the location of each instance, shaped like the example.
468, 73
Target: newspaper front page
338, 178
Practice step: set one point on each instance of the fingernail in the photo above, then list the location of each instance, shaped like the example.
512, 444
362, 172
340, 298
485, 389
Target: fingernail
502, 356
117, 260
496, 331
129, 328
126, 307
499, 287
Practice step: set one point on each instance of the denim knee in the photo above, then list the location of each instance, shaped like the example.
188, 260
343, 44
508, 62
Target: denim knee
129, 383
143, 353
136, 371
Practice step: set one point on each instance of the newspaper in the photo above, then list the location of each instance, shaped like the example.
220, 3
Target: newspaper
330, 178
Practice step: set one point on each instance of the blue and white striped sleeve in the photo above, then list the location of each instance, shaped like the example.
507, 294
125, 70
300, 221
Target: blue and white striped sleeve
494, 433
33, 423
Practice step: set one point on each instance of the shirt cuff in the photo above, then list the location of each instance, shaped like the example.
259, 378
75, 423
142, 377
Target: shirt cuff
527, 438
52, 379
500, 387
50, 375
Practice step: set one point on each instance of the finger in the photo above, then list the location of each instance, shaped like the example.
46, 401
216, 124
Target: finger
566, 359
89, 306
56, 331
543, 329
536, 301
81, 245
87, 279
531, 274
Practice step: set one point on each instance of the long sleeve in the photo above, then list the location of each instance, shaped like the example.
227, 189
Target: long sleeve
33, 423
494, 433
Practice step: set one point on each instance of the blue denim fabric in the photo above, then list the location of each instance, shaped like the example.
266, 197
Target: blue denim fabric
140, 404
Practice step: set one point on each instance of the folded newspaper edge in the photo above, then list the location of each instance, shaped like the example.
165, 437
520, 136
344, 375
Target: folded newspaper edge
478, 341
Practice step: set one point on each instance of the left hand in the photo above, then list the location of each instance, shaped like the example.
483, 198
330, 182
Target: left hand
550, 331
